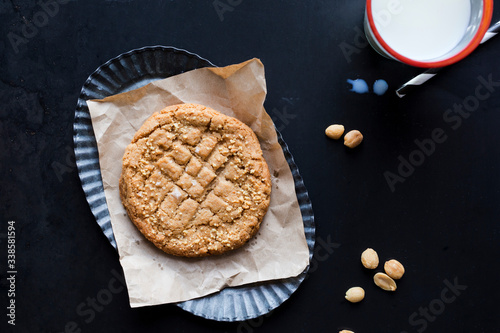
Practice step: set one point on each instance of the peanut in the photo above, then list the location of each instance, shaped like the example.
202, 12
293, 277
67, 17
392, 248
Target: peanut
334, 131
355, 294
369, 258
353, 138
394, 269
384, 281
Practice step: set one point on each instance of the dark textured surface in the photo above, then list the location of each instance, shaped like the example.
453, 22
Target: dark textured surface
442, 222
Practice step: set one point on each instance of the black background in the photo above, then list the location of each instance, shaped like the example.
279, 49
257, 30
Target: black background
442, 222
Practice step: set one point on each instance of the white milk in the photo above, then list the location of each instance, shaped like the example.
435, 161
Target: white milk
421, 29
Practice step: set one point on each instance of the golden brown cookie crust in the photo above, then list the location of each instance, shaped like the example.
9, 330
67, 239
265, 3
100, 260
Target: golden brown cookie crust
194, 181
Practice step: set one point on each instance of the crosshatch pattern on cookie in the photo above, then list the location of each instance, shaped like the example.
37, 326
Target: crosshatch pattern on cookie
194, 181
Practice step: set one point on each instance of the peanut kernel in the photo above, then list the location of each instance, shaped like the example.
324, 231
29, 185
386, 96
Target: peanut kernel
334, 131
394, 269
369, 258
353, 138
355, 294
384, 281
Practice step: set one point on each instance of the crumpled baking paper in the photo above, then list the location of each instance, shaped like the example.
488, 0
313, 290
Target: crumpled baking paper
278, 251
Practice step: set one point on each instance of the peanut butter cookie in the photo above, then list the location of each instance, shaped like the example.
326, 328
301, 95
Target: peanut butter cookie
194, 181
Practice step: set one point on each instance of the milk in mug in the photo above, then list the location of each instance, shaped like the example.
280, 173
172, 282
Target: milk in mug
421, 29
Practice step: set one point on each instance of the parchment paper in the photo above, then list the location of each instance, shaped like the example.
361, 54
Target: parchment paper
279, 250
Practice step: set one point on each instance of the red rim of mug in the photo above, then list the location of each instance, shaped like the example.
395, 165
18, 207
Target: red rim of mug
483, 27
